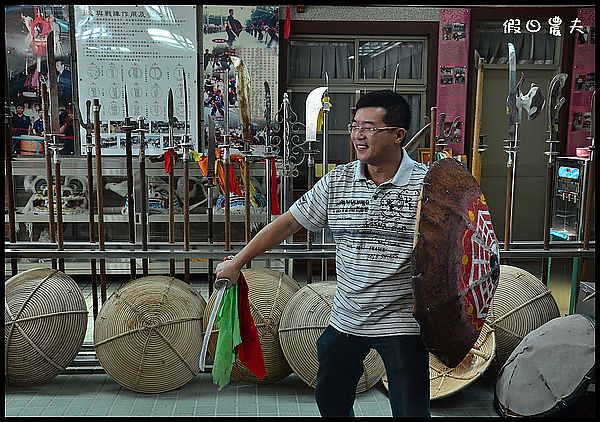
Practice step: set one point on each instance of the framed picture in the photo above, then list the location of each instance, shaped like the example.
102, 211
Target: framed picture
424, 154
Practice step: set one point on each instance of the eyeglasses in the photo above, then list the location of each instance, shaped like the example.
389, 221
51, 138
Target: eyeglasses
368, 130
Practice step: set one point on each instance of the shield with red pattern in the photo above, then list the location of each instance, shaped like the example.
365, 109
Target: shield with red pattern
455, 261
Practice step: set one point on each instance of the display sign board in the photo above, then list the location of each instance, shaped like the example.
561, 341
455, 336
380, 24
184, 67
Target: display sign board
145, 48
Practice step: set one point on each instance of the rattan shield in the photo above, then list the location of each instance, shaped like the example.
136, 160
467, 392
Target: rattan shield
445, 382
549, 370
148, 334
45, 321
268, 293
304, 319
521, 304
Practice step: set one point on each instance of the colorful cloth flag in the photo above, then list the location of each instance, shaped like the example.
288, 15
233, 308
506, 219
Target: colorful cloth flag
228, 339
238, 335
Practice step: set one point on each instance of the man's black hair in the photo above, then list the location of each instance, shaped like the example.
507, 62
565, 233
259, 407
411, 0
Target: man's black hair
397, 112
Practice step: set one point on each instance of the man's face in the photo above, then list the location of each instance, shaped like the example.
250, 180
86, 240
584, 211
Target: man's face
60, 66
20, 109
375, 147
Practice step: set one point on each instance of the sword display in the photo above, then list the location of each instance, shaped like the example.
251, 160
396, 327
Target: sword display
533, 103
99, 196
185, 146
171, 172
48, 162
89, 127
128, 127
55, 145
143, 191
221, 284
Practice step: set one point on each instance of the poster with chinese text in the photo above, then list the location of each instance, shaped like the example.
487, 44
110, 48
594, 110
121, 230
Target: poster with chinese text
146, 49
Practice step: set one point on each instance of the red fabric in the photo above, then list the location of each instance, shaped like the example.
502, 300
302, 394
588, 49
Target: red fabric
249, 352
234, 186
275, 210
169, 161
288, 22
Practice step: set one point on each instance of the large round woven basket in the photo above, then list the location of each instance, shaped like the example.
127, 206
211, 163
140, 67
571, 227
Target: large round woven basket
268, 293
445, 381
45, 321
304, 319
521, 304
148, 334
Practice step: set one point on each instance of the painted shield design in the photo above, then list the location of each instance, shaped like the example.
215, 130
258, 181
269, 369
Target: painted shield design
455, 261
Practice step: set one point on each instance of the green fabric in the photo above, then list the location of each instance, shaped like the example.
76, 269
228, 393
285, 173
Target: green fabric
229, 337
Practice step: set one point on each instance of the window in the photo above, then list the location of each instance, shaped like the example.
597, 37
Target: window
531, 48
383, 63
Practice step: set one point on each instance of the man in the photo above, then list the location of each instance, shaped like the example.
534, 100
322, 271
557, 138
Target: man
370, 206
233, 27
21, 125
63, 82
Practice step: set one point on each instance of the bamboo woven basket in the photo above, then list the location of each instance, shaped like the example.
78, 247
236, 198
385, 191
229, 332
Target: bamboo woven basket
148, 334
521, 304
45, 321
304, 319
268, 293
445, 381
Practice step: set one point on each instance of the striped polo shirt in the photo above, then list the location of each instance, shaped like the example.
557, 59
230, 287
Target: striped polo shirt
373, 228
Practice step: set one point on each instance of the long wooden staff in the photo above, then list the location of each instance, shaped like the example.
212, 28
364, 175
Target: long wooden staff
8, 152
432, 134
99, 196
185, 146
171, 172
55, 145
475, 152
210, 175
89, 145
48, 162
143, 191
243, 97
591, 173
128, 127
225, 154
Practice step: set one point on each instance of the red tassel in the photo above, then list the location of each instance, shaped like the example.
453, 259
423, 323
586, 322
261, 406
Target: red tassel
275, 210
288, 22
169, 157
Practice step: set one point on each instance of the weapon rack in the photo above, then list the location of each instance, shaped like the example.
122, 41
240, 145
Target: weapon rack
30, 226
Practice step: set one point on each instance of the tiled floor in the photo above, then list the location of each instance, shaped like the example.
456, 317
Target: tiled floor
97, 394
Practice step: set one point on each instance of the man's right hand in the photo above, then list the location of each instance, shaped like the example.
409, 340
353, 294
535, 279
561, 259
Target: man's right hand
228, 269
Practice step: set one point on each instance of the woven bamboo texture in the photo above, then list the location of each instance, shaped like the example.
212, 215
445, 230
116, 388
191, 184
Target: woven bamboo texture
521, 304
268, 293
445, 381
304, 319
148, 334
45, 321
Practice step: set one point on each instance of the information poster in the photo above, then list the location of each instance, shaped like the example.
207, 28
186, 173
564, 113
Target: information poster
250, 34
146, 49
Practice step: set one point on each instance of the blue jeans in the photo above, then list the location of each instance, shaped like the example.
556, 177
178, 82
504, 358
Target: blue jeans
341, 358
